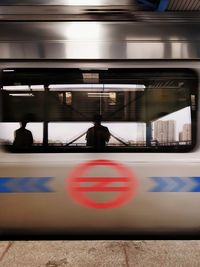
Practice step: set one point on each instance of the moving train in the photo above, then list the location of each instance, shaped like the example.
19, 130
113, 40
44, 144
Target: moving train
142, 77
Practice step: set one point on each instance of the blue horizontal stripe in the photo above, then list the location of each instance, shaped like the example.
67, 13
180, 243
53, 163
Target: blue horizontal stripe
25, 184
175, 184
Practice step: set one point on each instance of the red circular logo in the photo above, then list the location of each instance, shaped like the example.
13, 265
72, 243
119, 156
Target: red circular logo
79, 189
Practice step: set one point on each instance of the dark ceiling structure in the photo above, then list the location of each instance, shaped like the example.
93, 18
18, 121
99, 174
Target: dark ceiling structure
169, 5
143, 5
183, 5
135, 10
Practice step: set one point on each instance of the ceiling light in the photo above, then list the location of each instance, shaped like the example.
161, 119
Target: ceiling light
8, 70
97, 87
21, 95
16, 87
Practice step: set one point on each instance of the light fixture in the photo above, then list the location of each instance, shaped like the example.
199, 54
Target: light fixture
98, 94
37, 87
16, 87
8, 70
23, 88
75, 87
27, 95
97, 87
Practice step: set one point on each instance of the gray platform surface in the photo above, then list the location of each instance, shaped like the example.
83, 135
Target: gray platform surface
99, 253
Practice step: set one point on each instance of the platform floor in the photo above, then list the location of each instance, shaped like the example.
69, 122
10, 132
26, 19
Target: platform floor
99, 253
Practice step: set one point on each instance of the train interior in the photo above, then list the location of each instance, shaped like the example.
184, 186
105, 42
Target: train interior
144, 109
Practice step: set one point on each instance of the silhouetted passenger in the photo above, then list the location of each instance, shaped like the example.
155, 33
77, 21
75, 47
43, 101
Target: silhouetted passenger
98, 135
23, 137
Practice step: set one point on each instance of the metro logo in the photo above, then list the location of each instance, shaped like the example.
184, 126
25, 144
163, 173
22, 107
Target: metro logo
78, 190
102, 184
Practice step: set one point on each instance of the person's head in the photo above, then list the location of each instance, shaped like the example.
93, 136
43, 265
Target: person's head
23, 124
97, 119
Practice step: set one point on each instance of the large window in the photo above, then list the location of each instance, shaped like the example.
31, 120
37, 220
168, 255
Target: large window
112, 110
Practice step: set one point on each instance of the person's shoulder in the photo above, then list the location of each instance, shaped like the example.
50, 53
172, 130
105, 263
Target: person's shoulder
28, 132
104, 127
91, 128
18, 130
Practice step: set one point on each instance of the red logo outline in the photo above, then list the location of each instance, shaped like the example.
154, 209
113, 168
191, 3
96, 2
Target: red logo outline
79, 194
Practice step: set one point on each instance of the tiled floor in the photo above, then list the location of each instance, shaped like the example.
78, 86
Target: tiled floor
99, 253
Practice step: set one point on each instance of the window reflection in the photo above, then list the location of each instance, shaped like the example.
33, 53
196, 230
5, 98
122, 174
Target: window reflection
8, 130
173, 129
143, 109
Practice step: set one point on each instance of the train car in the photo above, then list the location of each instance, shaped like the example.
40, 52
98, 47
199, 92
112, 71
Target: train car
141, 77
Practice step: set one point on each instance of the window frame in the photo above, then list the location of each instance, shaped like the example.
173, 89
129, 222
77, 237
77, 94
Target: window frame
47, 149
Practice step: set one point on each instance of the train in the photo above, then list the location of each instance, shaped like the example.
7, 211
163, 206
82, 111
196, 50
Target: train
142, 77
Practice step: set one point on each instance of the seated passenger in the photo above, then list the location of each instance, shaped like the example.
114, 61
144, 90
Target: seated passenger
98, 135
23, 137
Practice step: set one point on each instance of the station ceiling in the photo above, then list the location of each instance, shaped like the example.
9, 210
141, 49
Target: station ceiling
183, 5
97, 9
166, 5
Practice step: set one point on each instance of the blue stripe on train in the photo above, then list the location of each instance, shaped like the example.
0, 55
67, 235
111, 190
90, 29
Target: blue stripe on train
25, 184
175, 184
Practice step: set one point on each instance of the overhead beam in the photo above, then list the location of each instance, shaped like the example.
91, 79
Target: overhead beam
162, 5
147, 3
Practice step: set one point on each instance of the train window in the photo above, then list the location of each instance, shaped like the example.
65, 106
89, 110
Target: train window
141, 110
8, 132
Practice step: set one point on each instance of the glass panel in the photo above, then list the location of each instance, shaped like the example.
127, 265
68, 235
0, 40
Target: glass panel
7, 133
18, 106
113, 110
173, 129
82, 105
61, 134
74, 134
